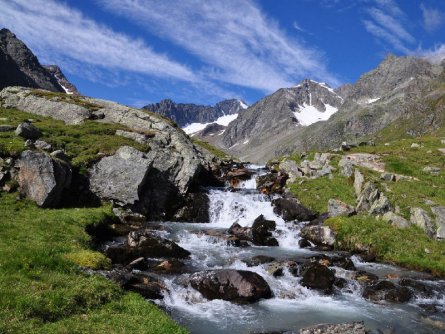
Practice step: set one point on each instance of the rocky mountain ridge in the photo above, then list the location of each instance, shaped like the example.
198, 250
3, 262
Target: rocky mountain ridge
57, 73
187, 113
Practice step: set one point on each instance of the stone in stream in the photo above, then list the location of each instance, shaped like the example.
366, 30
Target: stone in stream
290, 209
259, 259
238, 286
345, 328
387, 291
145, 243
261, 232
195, 209
236, 175
272, 183
318, 276
418, 287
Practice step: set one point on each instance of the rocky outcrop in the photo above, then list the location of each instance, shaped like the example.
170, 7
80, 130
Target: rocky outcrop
184, 114
439, 212
373, 201
237, 286
42, 178
338, 208
421, 218
19, 66
57, 73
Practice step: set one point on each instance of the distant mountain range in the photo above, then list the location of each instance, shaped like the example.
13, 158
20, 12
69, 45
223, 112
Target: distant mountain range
20, 67
198, 116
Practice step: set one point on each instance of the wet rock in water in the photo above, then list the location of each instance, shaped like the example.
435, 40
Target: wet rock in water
42, 178
344, 262
338, 208
304, 243
28, 130
429, 308
195, 209
142, 283
418, 287
237, 175
238, 286
318, 276
259, 259
275, 269
272, 183
340, 283
261, 232
237, 242
242, 233
387, 291
345, 328
319, 235
145, 243
290, 209
171, 266
365, 277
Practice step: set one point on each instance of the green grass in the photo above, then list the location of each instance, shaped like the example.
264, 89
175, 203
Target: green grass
315, 193
42, 289
405, 247
82, 142
212, 149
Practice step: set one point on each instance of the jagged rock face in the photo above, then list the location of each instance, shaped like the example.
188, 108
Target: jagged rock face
277, 115
42, 178
57, 73
187, 113
20, 67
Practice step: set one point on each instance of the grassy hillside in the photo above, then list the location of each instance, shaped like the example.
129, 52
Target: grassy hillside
42, 287
410, 247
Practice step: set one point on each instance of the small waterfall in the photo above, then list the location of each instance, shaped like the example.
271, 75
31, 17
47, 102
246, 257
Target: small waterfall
293, 306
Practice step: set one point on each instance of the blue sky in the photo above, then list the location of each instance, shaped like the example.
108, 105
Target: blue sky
202, 51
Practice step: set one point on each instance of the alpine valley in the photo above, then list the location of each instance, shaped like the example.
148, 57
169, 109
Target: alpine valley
313, 210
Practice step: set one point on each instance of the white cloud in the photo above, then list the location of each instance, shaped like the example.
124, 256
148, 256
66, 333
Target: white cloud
432, 18
435, 55
236, 41
297, 26
58, 32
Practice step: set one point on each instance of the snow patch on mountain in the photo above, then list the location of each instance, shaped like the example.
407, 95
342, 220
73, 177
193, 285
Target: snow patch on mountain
307, 114
195, 127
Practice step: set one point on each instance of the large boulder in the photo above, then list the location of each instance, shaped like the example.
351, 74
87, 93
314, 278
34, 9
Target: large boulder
42, 178
195, 209
237, 286
319, 234
318, 276
145, 243
290, 209
345, 328
261, 232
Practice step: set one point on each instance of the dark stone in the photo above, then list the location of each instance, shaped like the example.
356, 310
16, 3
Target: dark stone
6, 128
429, 308
304, 243
317, 276
242, 233
344, 262
290, 209
28, 130
261, 232
237, 286
417, 286
387, 291
340, 283
195, 209
145, 285
237, 242
272, 183
365, 277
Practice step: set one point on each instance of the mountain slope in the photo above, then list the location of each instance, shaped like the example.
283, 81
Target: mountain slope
187, 113
20, 67
57, 73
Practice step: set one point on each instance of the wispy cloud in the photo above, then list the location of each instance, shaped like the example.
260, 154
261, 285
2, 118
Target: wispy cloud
432, 18
58, 32
386, 23
297, 26
236, 41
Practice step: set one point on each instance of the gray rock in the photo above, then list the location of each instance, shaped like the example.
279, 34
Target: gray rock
345, 328
421, 218
415, 145
121, 177
388, 177
439, 212
28, 131
319, 235
396, 220
291, 168
346, 167
381, 205
137, 137
237, 286
339, 208
366, 197
43, 145
6, 128
358, 182
41, 178
431, 170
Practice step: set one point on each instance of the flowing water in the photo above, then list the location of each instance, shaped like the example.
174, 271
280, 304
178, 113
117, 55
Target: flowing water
293, 306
